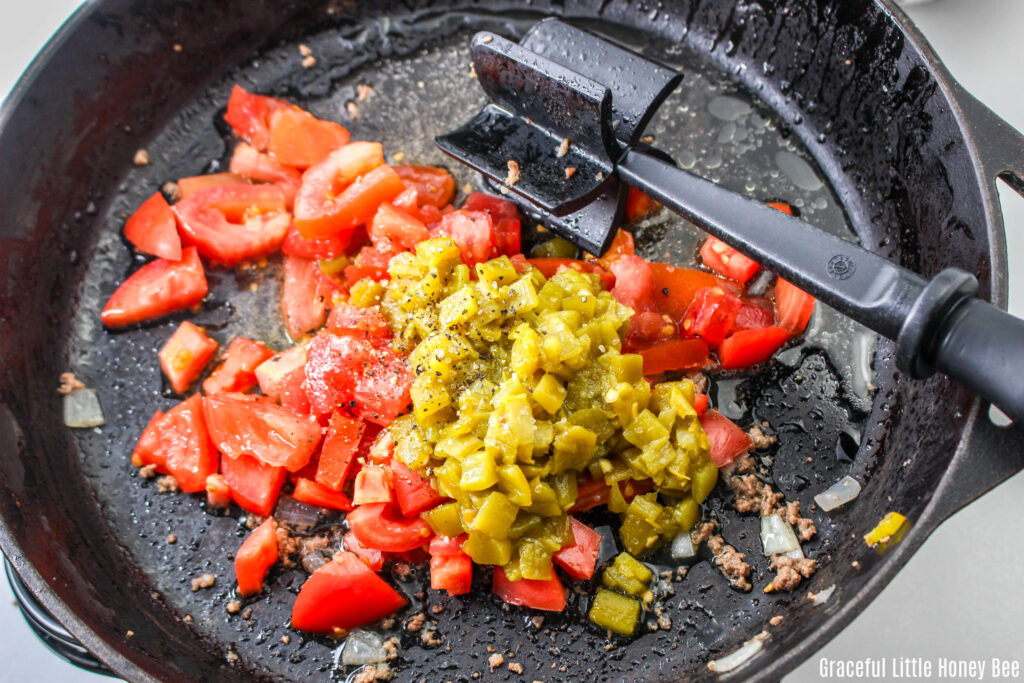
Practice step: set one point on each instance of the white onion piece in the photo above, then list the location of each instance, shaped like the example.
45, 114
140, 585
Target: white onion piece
822, 596
682, 547
797, 554
839, 493
363, 647
740, 656
82, 409
295, 515
777, 536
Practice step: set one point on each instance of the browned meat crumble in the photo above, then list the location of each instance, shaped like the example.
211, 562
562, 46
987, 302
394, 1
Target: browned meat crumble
730, 561
790, 572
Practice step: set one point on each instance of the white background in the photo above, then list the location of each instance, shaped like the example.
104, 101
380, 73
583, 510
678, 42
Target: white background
960, 596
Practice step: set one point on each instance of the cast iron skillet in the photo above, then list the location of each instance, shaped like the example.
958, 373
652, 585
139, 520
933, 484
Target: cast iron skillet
910, 155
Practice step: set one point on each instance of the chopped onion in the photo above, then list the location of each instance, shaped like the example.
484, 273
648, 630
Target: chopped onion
777, 536
82, 409
822, 596
740, 656
840, 493
797, 554
363, 647
295, 515
682, 547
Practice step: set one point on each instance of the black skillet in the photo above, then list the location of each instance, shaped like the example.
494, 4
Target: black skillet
911, 157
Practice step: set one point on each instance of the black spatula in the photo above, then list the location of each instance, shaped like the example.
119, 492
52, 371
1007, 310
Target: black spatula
566, 99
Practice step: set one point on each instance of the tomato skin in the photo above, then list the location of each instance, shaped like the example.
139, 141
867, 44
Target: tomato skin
238, 371
434, 185
233, 223
393, 229
178, 443
299, 139
579, 559
750, 347
153, 230
184, 355
473, 234
373, 558
308, 491
254, 484
343, 594
255, 557
638, 205
674, 354
450, 568
303, 304
634, 282
157, 289
548, 595
414, 494
700, 403
340, 445
594, 492
378, 526
712, 315
551, 266
249, 116
793, 307
728, 441
244, 424
724, 260
192, 184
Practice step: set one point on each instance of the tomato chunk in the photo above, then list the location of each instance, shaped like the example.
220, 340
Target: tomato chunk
473, 234
548, 595
308, 491
153, 230
393, 229
433, 185
675, 354
336, 455
343, 594
373, 558
234, 223
157, 289
254, 484
450, 568
283, 372
238, 371
712, 314
674, 288
754, 314
724, 260
505, 217
243, 424
580, 559
551, 266
249, 116
303, 304
299, 139
700, 403
360, 322
622, 245
634, 282
793, 307
750, 347
728, 441
184, 355
373, 485
414, 493
178, 443
192, 184
256, 556
378, 526
638, 205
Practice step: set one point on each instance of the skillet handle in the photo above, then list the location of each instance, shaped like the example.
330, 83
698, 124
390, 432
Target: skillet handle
1000, 145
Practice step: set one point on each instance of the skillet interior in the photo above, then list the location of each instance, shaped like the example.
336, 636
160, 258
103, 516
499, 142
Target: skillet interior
842, 77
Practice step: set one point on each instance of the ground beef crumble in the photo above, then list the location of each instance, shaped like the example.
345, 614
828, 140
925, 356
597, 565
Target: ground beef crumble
167, 484
790, 571
495, 660
69, 383
311, 552
730, 561
415, 622
287, 547
759, 438
204, 581
702, 533
374, 672
805, 528
752, 495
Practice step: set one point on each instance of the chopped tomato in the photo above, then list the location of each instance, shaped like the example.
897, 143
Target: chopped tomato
157, 289
373, 558
648, 327
234, 223
254, 484
724, 260
472, 232
394, 229
255, 165
414, 493
750, 347
548, 595
728, 441
781, 206
303, 305
711, 315
299, 139
308, 491
590, 493
373, 485
243, 424
754, 314
328, 248
177, 442
361, 322
675, 354
498, 208
700, 403
551, 266
793, 307
450, 568
341, 595
674, 288
218, 494
340, 445
370, 263
281, 370
634, 282
184, 355
433, 185
622, 245
189, 186
238, 371
378, 526
579, 559
638, 205
249, 116
153, 230
256, 556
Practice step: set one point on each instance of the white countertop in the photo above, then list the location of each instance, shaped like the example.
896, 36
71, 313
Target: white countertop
960, 595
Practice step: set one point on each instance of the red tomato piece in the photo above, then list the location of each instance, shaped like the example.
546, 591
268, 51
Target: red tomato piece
275, 373
594, 492
308, 491
299, 139
238, 371
234, 223
750, 347
370, 263
674, 288
322, 204
754, 314
378, 526
254, 484
255, 558
675, 354
359, 322
638, 205
184, 355
341, 595
249, 116
504, 217
373, 485
728, 441
303, 305
781, 206
153, 230
178, 443
724, 260
579, 559
328, 248
622, 245
243, 424
450, 568
340, 445
793, 307
156, 289
700, 403
393, 229
548, 595
248, 162
473, 234
433, 185
711, 315
414, 493
192, 184
551, 266
373, 558
634, 282
647, 328
218, 494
